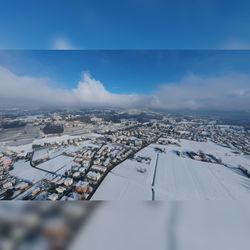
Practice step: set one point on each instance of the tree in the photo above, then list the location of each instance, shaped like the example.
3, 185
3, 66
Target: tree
8, 194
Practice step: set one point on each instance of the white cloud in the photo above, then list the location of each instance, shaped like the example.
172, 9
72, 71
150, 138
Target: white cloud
18, 90
25, 90
92, 91
228, 92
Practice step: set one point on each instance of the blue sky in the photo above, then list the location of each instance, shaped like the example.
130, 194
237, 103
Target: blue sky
162, 79
113, 24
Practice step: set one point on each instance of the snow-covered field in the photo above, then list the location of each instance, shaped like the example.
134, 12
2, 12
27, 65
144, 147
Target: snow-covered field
23, 170
19, 136
178, 178
27, 147
172, 225
58, 165
61, 162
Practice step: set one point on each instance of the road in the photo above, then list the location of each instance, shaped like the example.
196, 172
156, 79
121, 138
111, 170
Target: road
106, 173
153, 181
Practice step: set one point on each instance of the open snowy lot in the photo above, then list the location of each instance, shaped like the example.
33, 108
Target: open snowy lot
174, 177
27, 146
171, 225
60, 163
19, 136
23, 170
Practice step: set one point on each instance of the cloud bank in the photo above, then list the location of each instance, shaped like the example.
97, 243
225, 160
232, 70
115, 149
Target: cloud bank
228, 92
34, 91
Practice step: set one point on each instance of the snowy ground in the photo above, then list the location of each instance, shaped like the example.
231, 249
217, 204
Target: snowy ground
166, 225
178, 178
27, 147
172, 225
60, 163
19, 136
23, 170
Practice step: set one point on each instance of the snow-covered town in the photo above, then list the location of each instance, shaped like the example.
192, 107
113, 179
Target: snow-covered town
122, 154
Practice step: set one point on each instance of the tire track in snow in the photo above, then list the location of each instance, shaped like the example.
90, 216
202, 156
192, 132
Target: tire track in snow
221, 183
194, 179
